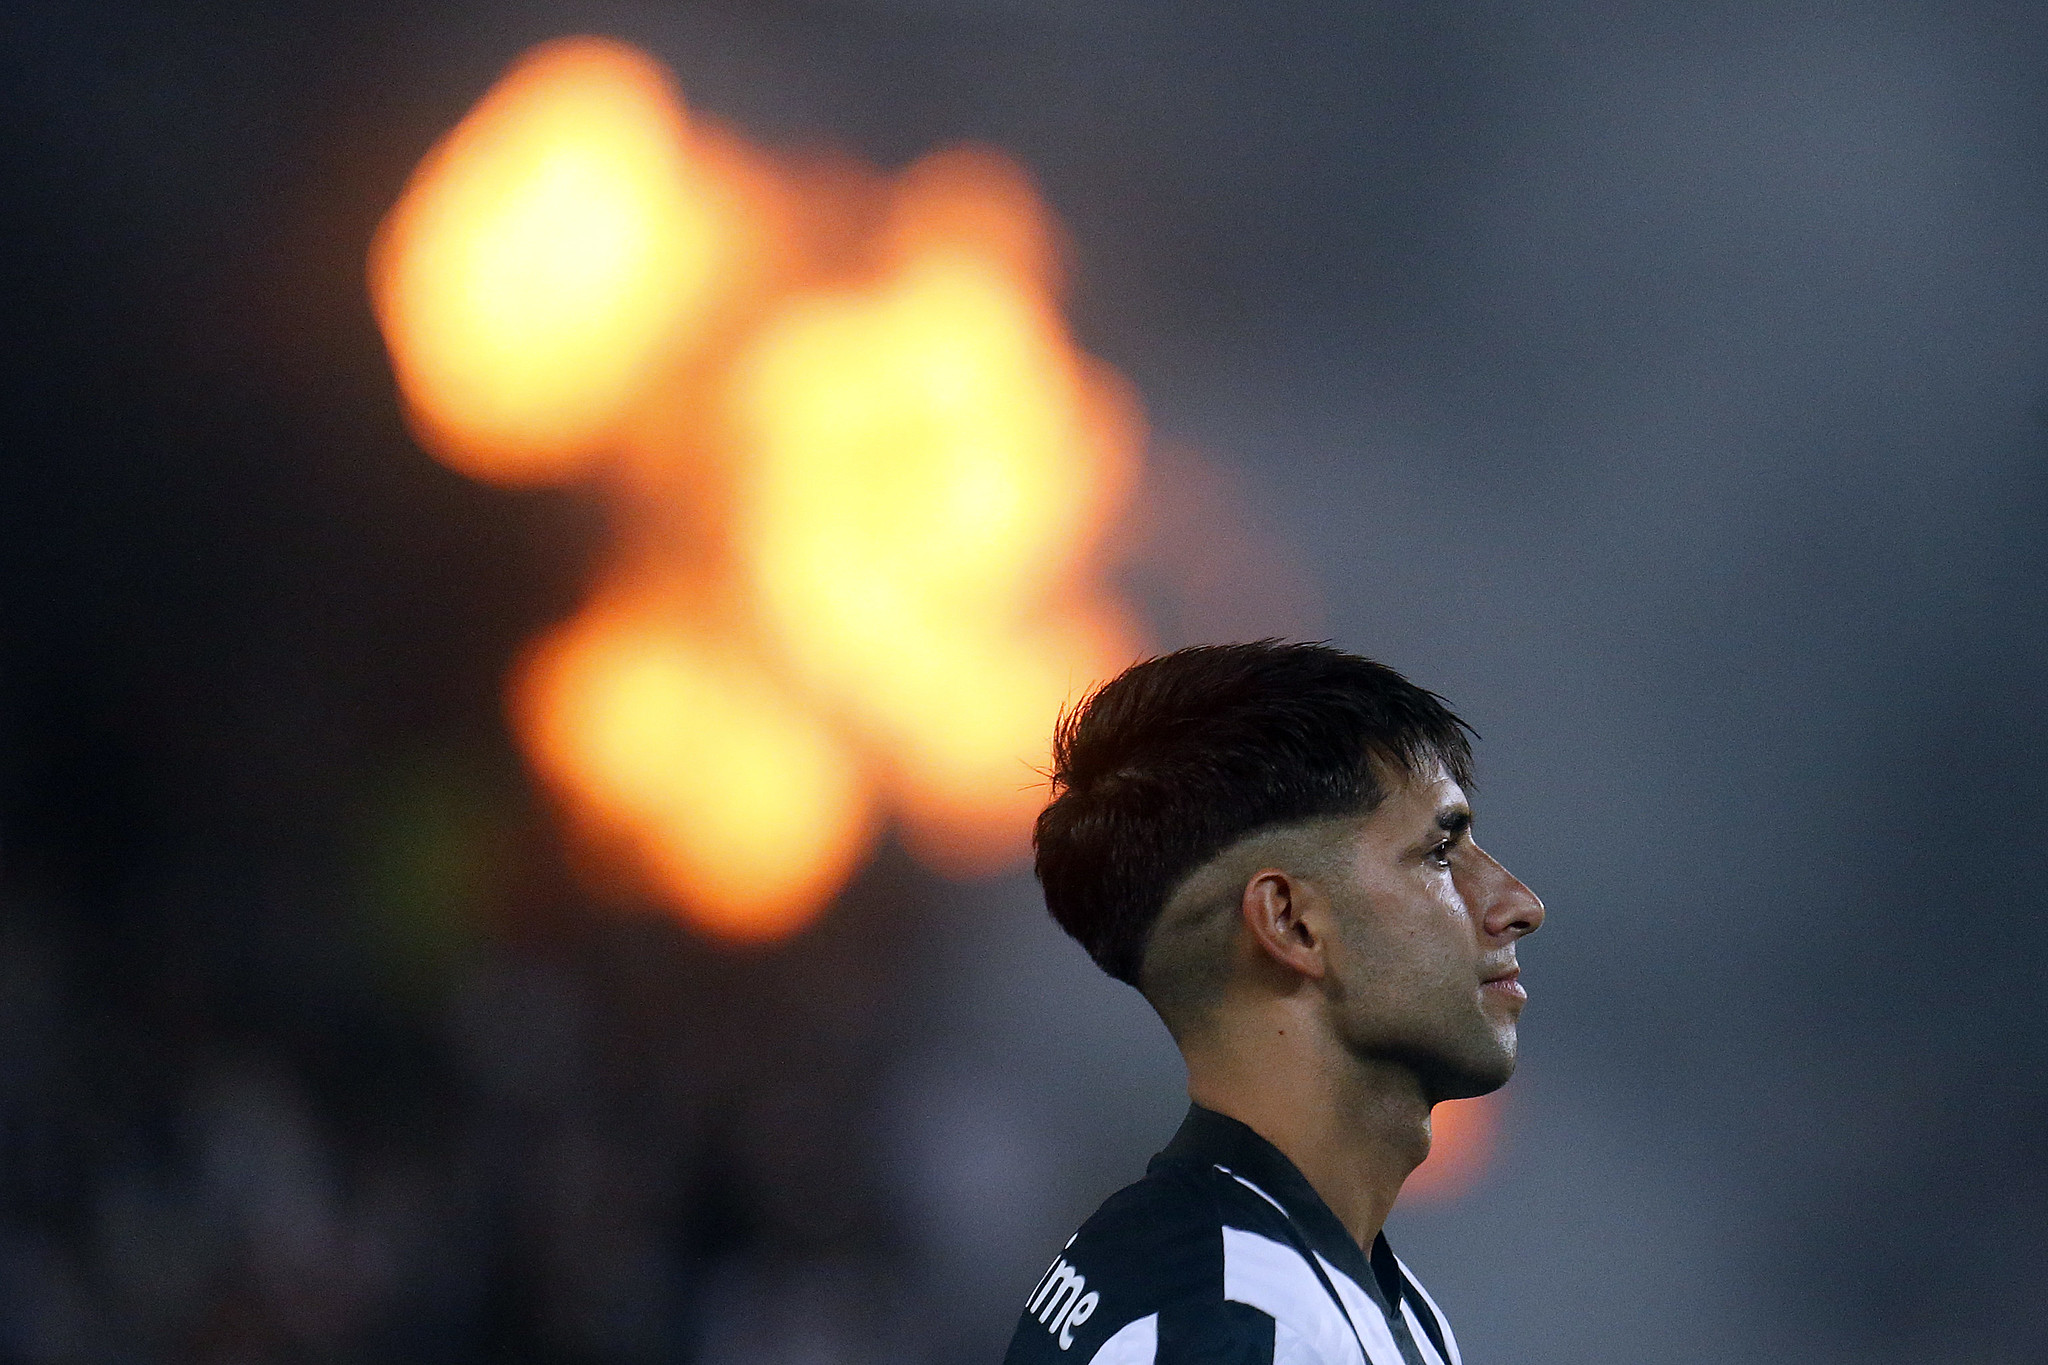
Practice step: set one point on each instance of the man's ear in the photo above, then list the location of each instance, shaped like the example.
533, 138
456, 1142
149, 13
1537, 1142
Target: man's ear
1275, 910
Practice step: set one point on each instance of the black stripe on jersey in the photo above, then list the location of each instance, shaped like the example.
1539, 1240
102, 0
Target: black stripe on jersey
1227, 1334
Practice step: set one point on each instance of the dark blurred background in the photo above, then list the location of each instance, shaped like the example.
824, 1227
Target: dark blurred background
1666, 385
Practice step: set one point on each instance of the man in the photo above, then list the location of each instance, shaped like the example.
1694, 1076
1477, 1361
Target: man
1272, 843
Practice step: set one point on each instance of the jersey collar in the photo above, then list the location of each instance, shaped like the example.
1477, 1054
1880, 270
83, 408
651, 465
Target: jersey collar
1209, 1139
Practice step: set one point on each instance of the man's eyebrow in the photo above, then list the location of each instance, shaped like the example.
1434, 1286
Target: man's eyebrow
1454, 819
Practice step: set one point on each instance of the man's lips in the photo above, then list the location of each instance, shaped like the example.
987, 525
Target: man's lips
1507, 982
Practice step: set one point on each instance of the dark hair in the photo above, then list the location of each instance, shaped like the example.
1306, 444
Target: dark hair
1179, 757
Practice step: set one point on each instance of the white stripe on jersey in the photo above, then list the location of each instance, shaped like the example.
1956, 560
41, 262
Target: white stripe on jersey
1257, 1191
1423, 1344
1365, 1315
1290, 1348
1135, 1343
1273, 1278
1450, 1340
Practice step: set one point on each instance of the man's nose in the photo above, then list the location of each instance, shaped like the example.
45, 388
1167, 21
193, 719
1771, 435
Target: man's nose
1513, 910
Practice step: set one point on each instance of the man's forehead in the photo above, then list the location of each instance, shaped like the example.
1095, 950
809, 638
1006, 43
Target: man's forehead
1427, 793
1425, 797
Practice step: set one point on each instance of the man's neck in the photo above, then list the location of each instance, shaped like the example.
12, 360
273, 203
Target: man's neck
1354, 1129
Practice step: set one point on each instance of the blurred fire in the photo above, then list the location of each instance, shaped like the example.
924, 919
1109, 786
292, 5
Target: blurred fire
859, 470
695, 766
1463, 1134
545, 253
931, 464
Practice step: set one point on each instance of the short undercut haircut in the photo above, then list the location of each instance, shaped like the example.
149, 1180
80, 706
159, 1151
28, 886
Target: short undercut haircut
1180, 757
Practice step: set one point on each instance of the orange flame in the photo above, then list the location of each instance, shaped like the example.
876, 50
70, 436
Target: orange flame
544, 256
724, 794
863, 475
931, 460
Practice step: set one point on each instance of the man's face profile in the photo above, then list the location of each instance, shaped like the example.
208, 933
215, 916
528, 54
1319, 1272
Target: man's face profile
1273, 843
1423, 962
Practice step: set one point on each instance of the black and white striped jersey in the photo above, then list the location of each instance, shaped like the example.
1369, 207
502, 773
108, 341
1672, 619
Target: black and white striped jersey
1224, 1255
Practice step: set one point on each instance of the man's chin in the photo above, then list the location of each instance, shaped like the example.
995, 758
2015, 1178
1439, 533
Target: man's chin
1480, 1067
1466, 1078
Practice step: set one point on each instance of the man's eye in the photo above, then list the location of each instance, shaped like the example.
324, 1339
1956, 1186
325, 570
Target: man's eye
1441, 854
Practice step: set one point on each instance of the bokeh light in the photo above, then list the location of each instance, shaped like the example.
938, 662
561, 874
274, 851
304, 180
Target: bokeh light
690, 764
931, 465
1463, 1136
546, 255
844, 409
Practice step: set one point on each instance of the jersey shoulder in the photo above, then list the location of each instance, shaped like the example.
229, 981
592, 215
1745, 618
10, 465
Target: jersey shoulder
1143, 1273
